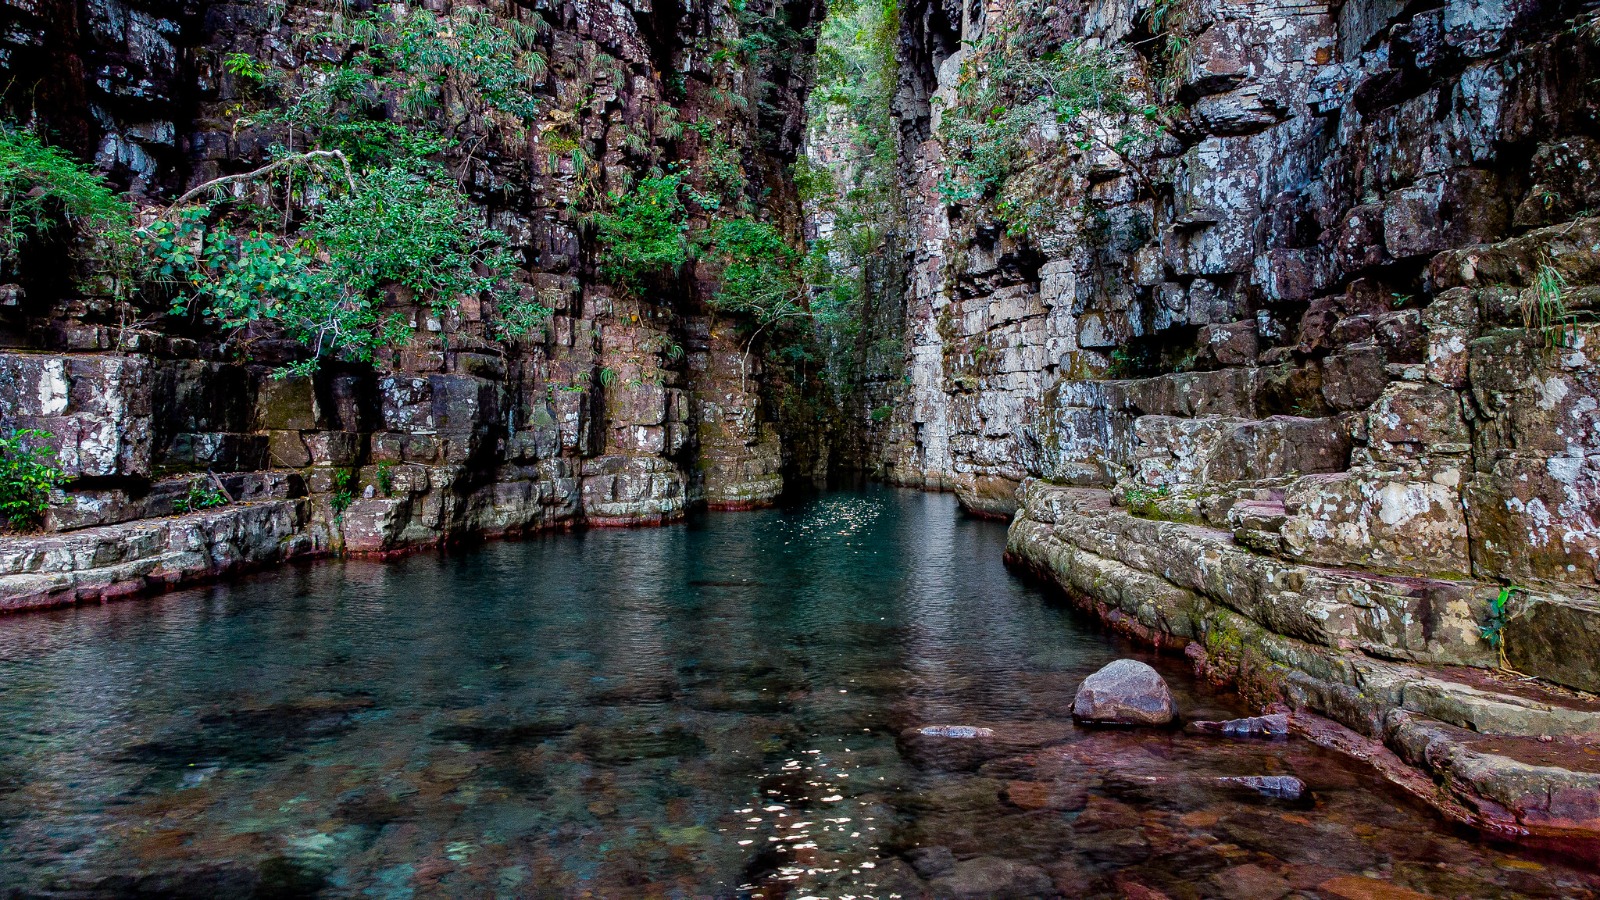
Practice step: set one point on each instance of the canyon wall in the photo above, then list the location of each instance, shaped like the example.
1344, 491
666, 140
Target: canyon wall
1290, 360
626, 407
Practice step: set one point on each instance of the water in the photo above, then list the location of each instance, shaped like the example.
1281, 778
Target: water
712, 710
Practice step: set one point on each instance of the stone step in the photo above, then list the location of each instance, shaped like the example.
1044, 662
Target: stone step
94, 507
97, 564
1166, 567
1485, 701
1161, 571
1525, 785
1571, 249
1397, 665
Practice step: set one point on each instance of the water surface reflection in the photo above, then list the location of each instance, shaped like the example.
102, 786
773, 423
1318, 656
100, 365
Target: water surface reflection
725, 709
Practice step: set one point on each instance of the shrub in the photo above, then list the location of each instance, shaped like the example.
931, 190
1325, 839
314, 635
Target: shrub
391, 215
1004, 96
642, 232
26, 476
759, 271
409, 226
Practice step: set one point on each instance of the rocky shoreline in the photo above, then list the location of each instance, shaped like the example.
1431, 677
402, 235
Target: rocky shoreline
147, 557
1368, 664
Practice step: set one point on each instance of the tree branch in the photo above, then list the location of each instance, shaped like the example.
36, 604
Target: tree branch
268, 169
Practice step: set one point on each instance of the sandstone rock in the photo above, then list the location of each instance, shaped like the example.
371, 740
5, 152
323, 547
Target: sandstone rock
1557, 638
1174, 452
97, 409
987, 495
1279, 787
956, 732
1126, 692
1388, 520
1275, 725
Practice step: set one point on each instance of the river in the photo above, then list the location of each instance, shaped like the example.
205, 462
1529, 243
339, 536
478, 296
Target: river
725, 708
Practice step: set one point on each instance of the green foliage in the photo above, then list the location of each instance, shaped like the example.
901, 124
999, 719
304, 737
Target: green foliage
202, 494
1143, 501
344, 492
642, 232
450, 67
322, 268
758, 271
1494, 624
882, 413
245, 66
855, 187
42, 188
385, 476
27, 476
314, 248
1005, 92
1544, 307
324, 284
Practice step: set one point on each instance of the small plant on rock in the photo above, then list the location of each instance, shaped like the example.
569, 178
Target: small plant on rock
1544, 309
1499, 616
344, 492
27, 476
202, 494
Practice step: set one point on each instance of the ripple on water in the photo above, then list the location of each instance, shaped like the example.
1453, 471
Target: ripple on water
849, 697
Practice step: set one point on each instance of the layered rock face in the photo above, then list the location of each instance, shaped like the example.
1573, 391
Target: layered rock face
1304, 380
625, 410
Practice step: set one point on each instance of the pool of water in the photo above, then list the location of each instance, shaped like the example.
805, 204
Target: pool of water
728, 708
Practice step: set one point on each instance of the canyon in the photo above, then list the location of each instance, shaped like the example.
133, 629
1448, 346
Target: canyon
1280, 354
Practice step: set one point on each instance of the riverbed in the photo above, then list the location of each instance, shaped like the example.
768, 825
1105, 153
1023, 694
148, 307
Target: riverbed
738, 706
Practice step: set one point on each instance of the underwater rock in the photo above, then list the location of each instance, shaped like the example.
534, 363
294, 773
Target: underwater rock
960, 732
991, 878
1280, 787
932, 862
1126, 692
1251, 726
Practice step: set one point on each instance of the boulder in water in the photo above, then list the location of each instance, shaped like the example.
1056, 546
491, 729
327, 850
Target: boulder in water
1126, 692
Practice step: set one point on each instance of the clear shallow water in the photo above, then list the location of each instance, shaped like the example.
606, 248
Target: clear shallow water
712, 710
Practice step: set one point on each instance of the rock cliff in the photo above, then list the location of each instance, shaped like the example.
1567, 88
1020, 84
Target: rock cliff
625, 407
1283, 328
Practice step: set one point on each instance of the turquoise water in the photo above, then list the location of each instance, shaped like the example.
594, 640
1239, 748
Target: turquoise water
722, 709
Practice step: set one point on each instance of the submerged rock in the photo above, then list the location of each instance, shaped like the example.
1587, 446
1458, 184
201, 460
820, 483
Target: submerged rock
1274, 725
959, 732
1126, 692
932, 862
1280, 787
991, 878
